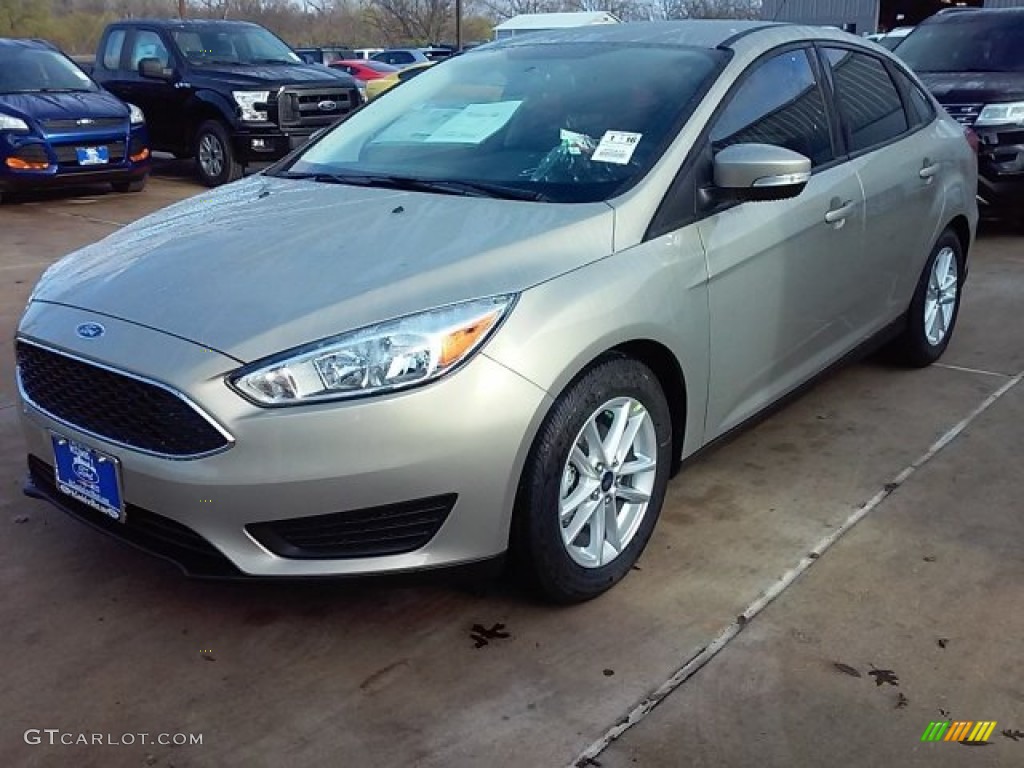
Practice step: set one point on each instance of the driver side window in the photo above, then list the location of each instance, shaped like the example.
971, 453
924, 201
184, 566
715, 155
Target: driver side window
779, 102
148, 45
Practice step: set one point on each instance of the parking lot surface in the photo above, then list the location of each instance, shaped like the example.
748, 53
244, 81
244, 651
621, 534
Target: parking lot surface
913, 616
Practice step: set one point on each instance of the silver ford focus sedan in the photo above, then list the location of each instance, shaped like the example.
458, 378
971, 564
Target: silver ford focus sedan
492, 310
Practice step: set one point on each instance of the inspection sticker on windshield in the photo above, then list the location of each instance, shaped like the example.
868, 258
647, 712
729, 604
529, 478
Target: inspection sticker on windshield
616, 147
475, 122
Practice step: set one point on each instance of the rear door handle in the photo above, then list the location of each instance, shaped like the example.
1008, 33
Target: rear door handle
839, 214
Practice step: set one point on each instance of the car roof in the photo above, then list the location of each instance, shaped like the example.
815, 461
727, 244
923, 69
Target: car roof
184, 23
695, 33
953, 15
24, 42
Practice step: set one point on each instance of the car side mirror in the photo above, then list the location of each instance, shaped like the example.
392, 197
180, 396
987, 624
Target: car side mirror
154, 69
760, 172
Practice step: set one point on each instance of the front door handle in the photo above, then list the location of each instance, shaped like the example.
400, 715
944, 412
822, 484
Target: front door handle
837, 215
928, 171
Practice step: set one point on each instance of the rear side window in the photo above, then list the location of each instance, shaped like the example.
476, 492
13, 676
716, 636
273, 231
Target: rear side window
781, 103
919, 105
869, 103
112, 50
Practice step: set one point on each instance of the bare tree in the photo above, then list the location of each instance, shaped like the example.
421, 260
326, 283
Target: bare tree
708, 9
411, 21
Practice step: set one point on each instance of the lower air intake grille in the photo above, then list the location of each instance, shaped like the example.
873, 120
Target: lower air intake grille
393, 529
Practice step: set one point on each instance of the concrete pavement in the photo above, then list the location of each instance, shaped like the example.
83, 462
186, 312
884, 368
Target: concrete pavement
101, 639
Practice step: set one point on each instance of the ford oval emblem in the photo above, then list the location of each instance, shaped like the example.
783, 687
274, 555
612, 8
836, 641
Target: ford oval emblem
90, 330
85, 471
327, 105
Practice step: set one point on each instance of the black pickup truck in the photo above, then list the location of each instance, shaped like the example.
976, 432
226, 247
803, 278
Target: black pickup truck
228, 93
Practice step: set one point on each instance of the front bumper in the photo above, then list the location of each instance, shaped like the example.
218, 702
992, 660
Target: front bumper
1001, 167
466, 435
255, 145
62, 169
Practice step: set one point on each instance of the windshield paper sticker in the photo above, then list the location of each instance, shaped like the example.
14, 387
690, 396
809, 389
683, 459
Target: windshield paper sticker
416, 126
616, 147
475, 123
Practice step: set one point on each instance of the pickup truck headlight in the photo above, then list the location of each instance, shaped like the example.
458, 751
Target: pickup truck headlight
135, 115
381, 358
248, 101
9, 123
1010, 113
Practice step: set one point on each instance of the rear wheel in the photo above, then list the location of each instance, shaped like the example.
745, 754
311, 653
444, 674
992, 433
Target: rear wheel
215, 158
594, 482
935, 306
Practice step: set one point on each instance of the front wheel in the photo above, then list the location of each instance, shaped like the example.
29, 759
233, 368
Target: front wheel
215, 158
935, 306
594, 482
136, 185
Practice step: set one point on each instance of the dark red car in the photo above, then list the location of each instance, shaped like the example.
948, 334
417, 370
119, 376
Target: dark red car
364, 69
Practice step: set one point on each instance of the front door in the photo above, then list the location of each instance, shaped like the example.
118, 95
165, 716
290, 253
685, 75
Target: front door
785, 276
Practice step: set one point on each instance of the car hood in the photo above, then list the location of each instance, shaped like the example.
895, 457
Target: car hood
974, 87
264, 265
56, 106
270, 75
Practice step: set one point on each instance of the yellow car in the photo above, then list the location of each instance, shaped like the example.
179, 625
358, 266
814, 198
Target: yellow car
376, 87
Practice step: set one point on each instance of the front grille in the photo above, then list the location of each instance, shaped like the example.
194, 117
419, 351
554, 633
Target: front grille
92, 124
965, 114
146, 530
393, 529
67, 154
305, 108
114, 406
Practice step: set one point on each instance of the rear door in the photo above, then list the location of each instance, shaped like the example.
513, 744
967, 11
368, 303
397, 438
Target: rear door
897, 152
784, 276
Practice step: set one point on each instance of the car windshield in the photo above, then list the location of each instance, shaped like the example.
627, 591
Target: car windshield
547, 122
35, 70
231, 44
966, 45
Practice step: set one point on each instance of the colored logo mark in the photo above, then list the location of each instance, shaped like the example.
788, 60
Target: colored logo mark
959, 730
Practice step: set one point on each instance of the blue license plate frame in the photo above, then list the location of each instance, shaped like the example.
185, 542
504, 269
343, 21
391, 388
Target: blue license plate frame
89, 476
92, 155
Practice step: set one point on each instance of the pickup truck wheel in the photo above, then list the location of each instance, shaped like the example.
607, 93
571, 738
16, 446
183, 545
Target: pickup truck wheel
215, 158
129, 186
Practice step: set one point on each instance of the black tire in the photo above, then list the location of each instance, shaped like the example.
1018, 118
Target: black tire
913, 347
537, 549
215, 157
136, 185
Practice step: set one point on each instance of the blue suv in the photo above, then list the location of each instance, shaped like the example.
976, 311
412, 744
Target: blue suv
57, 127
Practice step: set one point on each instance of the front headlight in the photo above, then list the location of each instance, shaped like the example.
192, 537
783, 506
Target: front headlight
381, 358
1010, 113
248, 101
9, 123
135, 115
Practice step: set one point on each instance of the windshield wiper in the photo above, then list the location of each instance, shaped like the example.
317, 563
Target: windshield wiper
272, 61
442, 186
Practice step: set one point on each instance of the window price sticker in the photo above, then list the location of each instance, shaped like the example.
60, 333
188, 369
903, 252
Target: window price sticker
616, 147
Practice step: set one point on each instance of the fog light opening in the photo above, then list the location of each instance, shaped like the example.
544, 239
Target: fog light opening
25, 165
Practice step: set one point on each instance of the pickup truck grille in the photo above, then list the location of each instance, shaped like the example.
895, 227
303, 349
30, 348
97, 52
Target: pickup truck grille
965, 114
314, 107
85, 124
